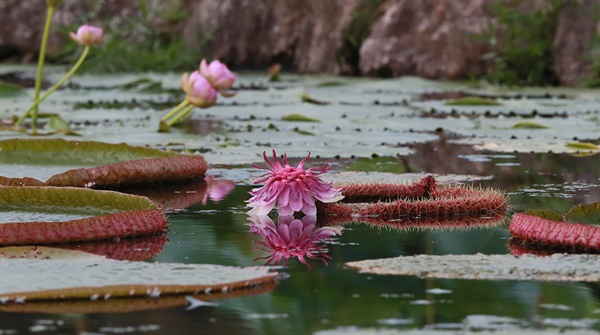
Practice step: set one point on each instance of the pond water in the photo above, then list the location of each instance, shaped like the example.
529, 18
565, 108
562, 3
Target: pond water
329, 297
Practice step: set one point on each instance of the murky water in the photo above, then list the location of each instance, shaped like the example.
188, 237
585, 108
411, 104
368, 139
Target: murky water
328, 297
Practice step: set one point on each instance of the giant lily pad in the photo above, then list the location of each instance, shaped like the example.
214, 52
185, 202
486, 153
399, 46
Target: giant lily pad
40, 273
103, 215
135, 304
558, 267
126, 164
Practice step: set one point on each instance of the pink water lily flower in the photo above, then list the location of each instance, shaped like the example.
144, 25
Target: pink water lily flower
199, 91
292, 237
291, 188
88, 35
219, 76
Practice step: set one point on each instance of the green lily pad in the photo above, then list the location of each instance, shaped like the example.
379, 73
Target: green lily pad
125, 166
64, 152
39, 273
473, 101
528, 125
8, 90
100, 215
582, 146
298, 117
546, 214
307, 98
586, 214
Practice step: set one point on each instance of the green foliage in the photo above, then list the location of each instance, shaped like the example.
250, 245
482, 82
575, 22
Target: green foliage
522, 44
594, 80
357, 31
137, 44
473, 101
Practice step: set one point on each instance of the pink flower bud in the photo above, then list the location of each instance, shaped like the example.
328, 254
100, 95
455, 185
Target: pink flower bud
88, 35
199, 91
217, 74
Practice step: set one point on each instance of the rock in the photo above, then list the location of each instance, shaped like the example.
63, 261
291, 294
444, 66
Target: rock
426, 38
577, 27
301, 35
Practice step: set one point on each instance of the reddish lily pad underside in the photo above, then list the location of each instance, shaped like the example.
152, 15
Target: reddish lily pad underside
127, 165
40, 273
121, 215
541, 231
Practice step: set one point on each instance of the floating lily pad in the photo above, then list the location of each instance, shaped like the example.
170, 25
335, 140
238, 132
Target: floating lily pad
10, 90
40, 273
101, 215
473, 101
63, 152
546, 214
128, 305
298, 117
585, 214
126, 169
141, 171
537, 230
583, 146
307, 98
528, 125
558, 267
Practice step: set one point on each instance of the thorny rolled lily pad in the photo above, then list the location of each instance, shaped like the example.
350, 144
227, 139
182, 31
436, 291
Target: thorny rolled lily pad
120, 215
558, 267
40, 273
126, 167
141, 171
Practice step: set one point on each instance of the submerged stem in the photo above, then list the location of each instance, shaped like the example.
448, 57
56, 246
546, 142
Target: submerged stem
56, 86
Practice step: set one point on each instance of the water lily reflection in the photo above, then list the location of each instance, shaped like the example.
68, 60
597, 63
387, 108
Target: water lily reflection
217, 189
292, 237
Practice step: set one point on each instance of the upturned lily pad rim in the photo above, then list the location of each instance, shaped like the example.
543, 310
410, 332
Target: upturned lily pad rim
128, 215
93, 269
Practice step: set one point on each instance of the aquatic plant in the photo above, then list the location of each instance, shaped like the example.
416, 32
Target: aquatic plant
292, 237
70, 274
40, 68
546, 232
121, 215
423, 201
201, 88
86, 36
291, 188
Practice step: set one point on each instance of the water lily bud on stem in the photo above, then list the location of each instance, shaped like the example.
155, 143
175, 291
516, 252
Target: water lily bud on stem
88, 35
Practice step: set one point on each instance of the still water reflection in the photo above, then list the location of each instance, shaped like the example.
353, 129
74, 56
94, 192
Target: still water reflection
216, 230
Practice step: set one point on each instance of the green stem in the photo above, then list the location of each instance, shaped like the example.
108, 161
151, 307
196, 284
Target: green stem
182, 114
40, 68
56, 86
184, 103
